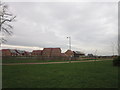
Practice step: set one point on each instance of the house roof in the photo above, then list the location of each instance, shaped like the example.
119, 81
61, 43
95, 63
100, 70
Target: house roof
13, 51
5, 49
78, 52
37, 50
69, 51
20, 51
63, 54
52, 48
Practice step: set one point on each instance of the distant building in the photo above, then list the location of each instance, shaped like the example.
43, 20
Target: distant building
28, 53
90, 55
74, 53
13, 52
6, 52
21, 52
69, 53
46, 52
51, 52
37, 52
63, 55
78, 53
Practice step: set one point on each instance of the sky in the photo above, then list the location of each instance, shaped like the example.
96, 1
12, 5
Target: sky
92, 26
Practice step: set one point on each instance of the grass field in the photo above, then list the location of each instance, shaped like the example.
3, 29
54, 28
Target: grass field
34, 60
100, 74
26, 60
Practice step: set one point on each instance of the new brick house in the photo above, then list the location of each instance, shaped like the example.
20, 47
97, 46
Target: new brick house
21, 52
13, 52
69, 53
63, 55
6, 52
78, 54
37, 52
28, 53
51, 52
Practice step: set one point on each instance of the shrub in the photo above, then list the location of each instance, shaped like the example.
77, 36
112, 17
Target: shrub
116, 61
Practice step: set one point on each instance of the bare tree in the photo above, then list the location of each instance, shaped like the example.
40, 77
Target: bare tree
6, 17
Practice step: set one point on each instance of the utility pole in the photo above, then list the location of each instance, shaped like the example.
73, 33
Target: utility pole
69, 40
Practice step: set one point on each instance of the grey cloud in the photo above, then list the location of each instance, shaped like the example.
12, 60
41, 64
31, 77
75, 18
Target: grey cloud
91, 25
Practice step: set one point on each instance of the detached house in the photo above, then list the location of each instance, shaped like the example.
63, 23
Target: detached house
78, 53
9, 52
6, 52
69, 53
13, 52
51, 52
37, 52
21, 52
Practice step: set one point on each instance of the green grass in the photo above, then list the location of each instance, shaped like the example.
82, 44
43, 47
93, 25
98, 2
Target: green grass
100, 74
27, 60
34, 60
37, 61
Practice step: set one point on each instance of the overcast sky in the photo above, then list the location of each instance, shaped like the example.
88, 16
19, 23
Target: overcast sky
91, 25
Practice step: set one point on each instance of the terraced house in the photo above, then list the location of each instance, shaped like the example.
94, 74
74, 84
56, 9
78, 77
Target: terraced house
46, 52
13, 52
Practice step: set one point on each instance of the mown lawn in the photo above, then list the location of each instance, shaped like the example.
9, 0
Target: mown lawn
36, 60
28, 61
68, 75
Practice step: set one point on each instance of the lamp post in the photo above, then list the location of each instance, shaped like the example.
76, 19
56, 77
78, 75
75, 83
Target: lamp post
69, 47
69, 40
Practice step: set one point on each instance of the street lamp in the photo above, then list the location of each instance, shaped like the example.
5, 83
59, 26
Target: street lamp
69, 47
69, 40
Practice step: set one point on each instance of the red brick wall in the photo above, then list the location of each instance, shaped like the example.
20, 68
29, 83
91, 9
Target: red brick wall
37, 52
46, 52
6, 52
51, 52
56, 52
69, 53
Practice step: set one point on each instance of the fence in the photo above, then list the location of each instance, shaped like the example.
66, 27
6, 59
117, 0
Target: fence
43, 58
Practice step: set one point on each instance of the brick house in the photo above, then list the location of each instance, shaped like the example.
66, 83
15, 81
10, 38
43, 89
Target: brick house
69, 53
51, 52
37, 52
6, 52
28, 53
63, 55
78, 53
21, 53
13, 52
